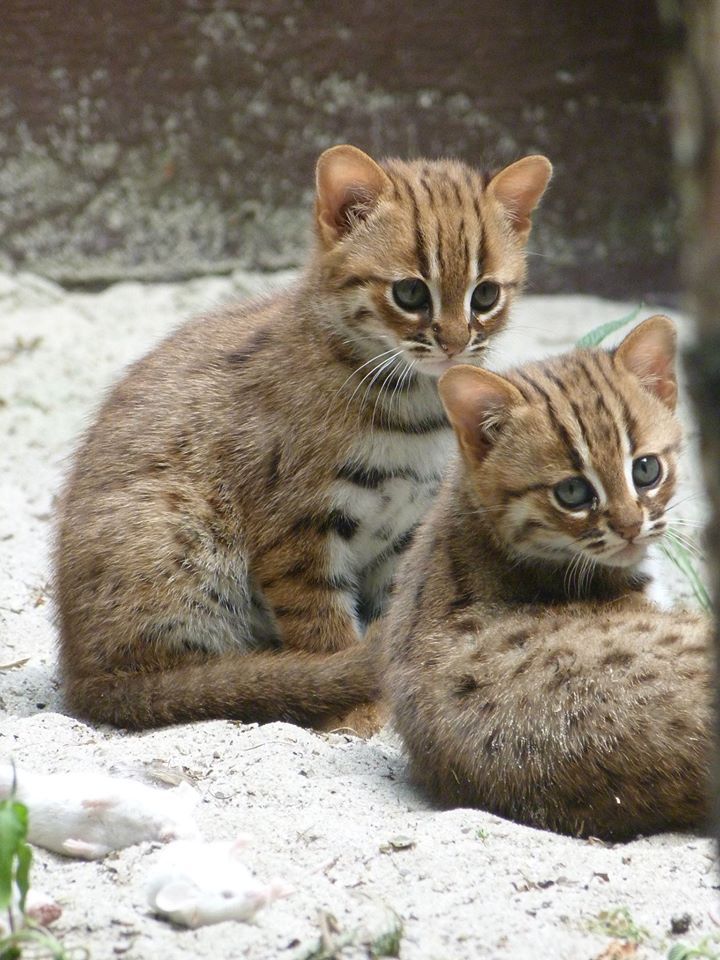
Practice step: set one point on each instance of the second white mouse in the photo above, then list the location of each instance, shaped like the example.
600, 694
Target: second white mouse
197, 883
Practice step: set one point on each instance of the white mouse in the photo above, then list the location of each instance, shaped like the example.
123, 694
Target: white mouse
196, 883
88, 815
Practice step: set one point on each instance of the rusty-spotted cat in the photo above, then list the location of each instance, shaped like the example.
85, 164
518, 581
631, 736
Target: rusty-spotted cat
527, 673
235, 514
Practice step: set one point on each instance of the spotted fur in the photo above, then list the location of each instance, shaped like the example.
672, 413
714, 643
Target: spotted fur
527, 672
235, 514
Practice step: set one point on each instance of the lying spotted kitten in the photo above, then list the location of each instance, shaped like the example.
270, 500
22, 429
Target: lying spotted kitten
527, 673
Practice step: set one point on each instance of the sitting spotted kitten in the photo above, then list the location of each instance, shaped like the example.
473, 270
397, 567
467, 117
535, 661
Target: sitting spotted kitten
235, 514
527, 673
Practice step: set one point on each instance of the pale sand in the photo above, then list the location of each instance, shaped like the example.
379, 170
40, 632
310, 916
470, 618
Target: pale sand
322, 808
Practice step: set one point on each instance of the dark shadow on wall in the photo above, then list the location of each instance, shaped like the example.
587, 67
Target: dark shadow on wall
168, 139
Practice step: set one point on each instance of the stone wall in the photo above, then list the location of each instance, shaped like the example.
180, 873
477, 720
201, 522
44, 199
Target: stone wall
174, 137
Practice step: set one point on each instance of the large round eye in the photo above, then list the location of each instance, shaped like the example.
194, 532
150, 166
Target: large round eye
411, 294
485, 296
574, 493
646, 471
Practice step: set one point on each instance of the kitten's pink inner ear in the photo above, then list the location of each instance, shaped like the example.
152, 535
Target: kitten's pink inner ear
476, 402
519, 188
649, 352
349, 183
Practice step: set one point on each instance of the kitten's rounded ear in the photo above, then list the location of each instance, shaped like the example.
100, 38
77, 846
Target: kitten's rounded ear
519, 188
649, 352
477, 403
348, 185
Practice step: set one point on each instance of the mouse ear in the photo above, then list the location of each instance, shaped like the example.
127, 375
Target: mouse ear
178, 895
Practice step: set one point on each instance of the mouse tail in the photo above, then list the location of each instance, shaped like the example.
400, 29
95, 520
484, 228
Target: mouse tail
304, 688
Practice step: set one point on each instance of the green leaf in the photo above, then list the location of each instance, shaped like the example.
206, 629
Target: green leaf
13, 830
22, 874
596, 336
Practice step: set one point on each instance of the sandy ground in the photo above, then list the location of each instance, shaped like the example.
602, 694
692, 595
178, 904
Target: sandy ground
326, 811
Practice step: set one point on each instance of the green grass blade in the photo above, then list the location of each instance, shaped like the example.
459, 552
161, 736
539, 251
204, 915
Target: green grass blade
679, 555
595, 337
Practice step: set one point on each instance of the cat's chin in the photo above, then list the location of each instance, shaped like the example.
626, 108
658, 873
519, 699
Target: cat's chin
436, 368
629, 555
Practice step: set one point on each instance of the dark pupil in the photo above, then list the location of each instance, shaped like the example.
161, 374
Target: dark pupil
484, 296
645, 471
574, 492
411, 294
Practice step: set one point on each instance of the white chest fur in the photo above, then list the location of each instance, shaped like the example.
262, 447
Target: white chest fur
386, 487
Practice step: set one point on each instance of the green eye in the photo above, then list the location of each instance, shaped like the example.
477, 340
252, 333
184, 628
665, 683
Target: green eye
411, 294
485, 296
574, 493
646, 471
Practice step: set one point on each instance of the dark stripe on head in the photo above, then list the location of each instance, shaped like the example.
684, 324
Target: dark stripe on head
466, 245
630, 421
393, 183
527, 397
420, 249
600, 400
441, 251
253, 346
482, 251
456, 191
573, 406
556, 422
428, 190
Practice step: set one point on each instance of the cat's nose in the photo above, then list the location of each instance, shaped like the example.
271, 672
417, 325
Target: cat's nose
626, 525
450, 339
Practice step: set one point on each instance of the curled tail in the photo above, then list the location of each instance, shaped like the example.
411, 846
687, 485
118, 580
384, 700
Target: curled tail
303, 688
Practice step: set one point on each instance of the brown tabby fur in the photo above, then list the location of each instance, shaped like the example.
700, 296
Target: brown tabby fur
235, 513
555, 696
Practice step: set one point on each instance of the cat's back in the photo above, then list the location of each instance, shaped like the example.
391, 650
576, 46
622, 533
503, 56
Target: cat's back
171, 406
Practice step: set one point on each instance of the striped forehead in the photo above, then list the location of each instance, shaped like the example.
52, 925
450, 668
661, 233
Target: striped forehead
449, 232
588, 413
